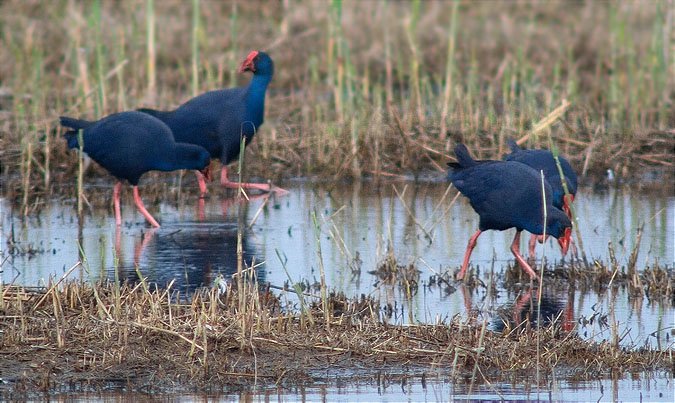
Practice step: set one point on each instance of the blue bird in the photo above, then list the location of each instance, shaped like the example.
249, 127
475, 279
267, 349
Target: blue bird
507, 194
543, 160
217, 120
129, 144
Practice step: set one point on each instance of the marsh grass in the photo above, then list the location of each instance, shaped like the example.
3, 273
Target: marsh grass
88, 339
361, 88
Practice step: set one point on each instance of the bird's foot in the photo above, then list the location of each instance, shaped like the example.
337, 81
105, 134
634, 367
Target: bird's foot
278, 191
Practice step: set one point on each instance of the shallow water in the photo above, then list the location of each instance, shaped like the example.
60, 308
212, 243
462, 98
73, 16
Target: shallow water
639, 387
356, 225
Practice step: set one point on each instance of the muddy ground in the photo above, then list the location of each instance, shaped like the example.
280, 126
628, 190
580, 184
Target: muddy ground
73, 336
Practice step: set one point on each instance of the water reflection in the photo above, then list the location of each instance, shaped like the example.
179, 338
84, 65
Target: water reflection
186, 254
435, 386
527, 311
358, 225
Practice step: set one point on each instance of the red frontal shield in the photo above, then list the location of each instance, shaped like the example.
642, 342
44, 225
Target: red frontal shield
248, 64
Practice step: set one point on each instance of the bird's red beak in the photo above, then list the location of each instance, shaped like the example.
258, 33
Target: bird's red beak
564, 241
248, 64
207, 172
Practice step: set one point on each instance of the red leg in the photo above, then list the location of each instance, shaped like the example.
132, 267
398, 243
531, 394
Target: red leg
201, 206
257, 186
531, 245
519, 307
116, 203
138, 250
118, 243
467, 254
202, 184
515, 248
466, 296
568, 319
141, 208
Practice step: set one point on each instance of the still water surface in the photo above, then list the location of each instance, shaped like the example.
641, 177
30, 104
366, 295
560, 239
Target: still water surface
642, 387
356, 225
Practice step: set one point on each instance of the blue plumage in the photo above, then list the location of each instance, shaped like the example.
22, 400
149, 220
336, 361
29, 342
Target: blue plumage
507, 194
217, 120
129, 144
544, 160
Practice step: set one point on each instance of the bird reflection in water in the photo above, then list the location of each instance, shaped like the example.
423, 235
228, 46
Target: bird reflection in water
190, 256
228, 202
528, 312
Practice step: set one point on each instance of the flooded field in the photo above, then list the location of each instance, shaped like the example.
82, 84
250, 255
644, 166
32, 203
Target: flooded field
361, 228
644, 387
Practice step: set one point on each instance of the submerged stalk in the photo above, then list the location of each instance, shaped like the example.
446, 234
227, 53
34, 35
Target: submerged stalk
80, 171
324, 291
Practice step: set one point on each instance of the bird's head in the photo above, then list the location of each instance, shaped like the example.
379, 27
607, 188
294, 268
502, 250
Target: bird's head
190, 156
560, 227
204, 161
258, 63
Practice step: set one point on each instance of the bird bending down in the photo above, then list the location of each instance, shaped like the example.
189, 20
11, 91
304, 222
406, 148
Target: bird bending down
218, 120
129, 144
543, 160
507, 194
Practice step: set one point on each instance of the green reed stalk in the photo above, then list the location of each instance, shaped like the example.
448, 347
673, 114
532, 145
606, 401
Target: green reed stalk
520, 89
95, 23
242, 282
234, 26
39, 109
195, 47
27, 148
411, 30
240, 194
150, 45
304, 308
83, 73
541, 277
575, 223
572, 85
616, 39
388, 67
356, 166
121, 55
473, 92
336, 56
662, 64
350, 83
322, 271
80, 172
449, 69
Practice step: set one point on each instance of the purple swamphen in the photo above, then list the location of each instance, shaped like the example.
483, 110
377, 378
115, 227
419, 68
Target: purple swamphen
218, 119
129, 144
507, 194
543, 160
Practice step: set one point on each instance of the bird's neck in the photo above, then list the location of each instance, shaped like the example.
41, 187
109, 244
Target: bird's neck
255, 99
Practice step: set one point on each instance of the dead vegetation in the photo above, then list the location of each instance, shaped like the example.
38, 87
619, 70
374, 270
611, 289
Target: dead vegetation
152, 340
361, 88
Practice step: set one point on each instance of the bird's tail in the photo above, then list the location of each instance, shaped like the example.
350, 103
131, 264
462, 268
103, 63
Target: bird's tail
464, 160
513, 145
161, 115
76, 125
